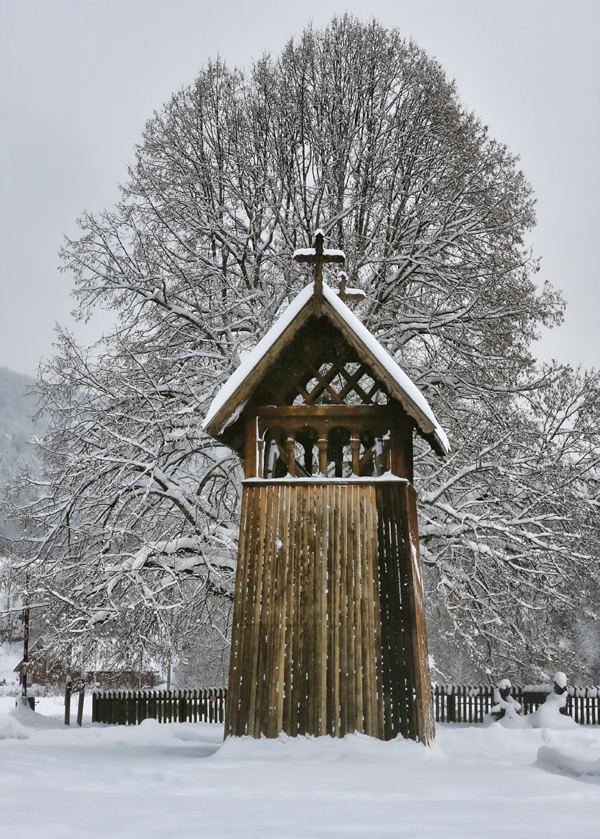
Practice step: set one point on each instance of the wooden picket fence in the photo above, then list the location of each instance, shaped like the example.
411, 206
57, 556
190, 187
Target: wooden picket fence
470, 703
451, 703
127, 707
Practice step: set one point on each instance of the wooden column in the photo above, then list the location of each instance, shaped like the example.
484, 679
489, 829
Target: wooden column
355, 448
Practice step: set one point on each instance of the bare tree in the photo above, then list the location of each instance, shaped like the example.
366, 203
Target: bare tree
354, 130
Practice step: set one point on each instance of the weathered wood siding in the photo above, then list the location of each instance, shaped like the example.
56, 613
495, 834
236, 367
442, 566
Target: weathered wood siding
328, 629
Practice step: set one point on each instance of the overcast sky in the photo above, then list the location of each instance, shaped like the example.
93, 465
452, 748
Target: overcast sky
79, 78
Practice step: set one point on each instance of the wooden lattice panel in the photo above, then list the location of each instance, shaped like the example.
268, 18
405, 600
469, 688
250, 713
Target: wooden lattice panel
320, 368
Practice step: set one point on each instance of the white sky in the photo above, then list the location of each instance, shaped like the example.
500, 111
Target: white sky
78, 79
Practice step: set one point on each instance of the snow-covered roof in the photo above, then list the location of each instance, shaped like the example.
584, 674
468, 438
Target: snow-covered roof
232, 398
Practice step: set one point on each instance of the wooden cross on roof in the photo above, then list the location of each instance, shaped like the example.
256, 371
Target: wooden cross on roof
318, 255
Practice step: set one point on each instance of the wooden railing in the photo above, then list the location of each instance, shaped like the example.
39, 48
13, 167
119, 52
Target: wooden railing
126, 707
470, 703
327, 440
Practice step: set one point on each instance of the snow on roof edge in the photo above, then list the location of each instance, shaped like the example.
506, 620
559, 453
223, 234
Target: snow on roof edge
395, 372
387, 362
252, 360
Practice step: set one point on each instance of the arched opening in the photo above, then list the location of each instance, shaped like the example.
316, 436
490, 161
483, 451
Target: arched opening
339, 453
275, 456
374, 454
284, 454
308, 440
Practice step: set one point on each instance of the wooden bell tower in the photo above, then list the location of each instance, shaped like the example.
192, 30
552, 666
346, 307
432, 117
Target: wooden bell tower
329, 624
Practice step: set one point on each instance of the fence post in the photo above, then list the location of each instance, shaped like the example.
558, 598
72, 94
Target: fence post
68, 702
80, 707
450, 704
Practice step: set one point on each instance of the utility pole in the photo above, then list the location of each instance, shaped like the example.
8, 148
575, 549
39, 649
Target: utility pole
26, 645
25, 648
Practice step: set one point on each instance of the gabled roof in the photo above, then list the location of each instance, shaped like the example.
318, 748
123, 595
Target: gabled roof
233, 396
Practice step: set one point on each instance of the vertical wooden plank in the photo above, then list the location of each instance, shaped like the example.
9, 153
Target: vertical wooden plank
321, 563
279, 623
393, 650
239, 616
404, 681
361, 536
290, 610
377, 615
254, 635
333, 608
415, 617
250, 648
355, 709
328, 502
260, 716
247, 674
297, 676
320, 513
343, 613
389, 606
304, 623
268, 623
368, 573
350, 629
274, 629
297, 661
314, 494
247, 677
310, 538
369, 686
314, 549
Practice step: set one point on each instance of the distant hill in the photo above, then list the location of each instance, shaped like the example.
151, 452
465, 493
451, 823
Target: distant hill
17, 407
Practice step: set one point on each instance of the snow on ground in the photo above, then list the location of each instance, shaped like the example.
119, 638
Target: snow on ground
180, 780
10, 656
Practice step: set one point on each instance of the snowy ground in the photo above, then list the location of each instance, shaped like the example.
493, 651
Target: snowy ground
10, 656
180, 780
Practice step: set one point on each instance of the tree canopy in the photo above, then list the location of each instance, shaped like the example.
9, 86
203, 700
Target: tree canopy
356, 131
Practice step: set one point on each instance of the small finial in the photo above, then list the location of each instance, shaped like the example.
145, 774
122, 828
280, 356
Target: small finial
349, 295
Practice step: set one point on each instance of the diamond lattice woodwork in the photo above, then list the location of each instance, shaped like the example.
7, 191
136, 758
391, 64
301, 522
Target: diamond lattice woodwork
320, 368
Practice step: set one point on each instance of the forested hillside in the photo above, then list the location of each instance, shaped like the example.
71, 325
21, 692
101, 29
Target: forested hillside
17, 407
